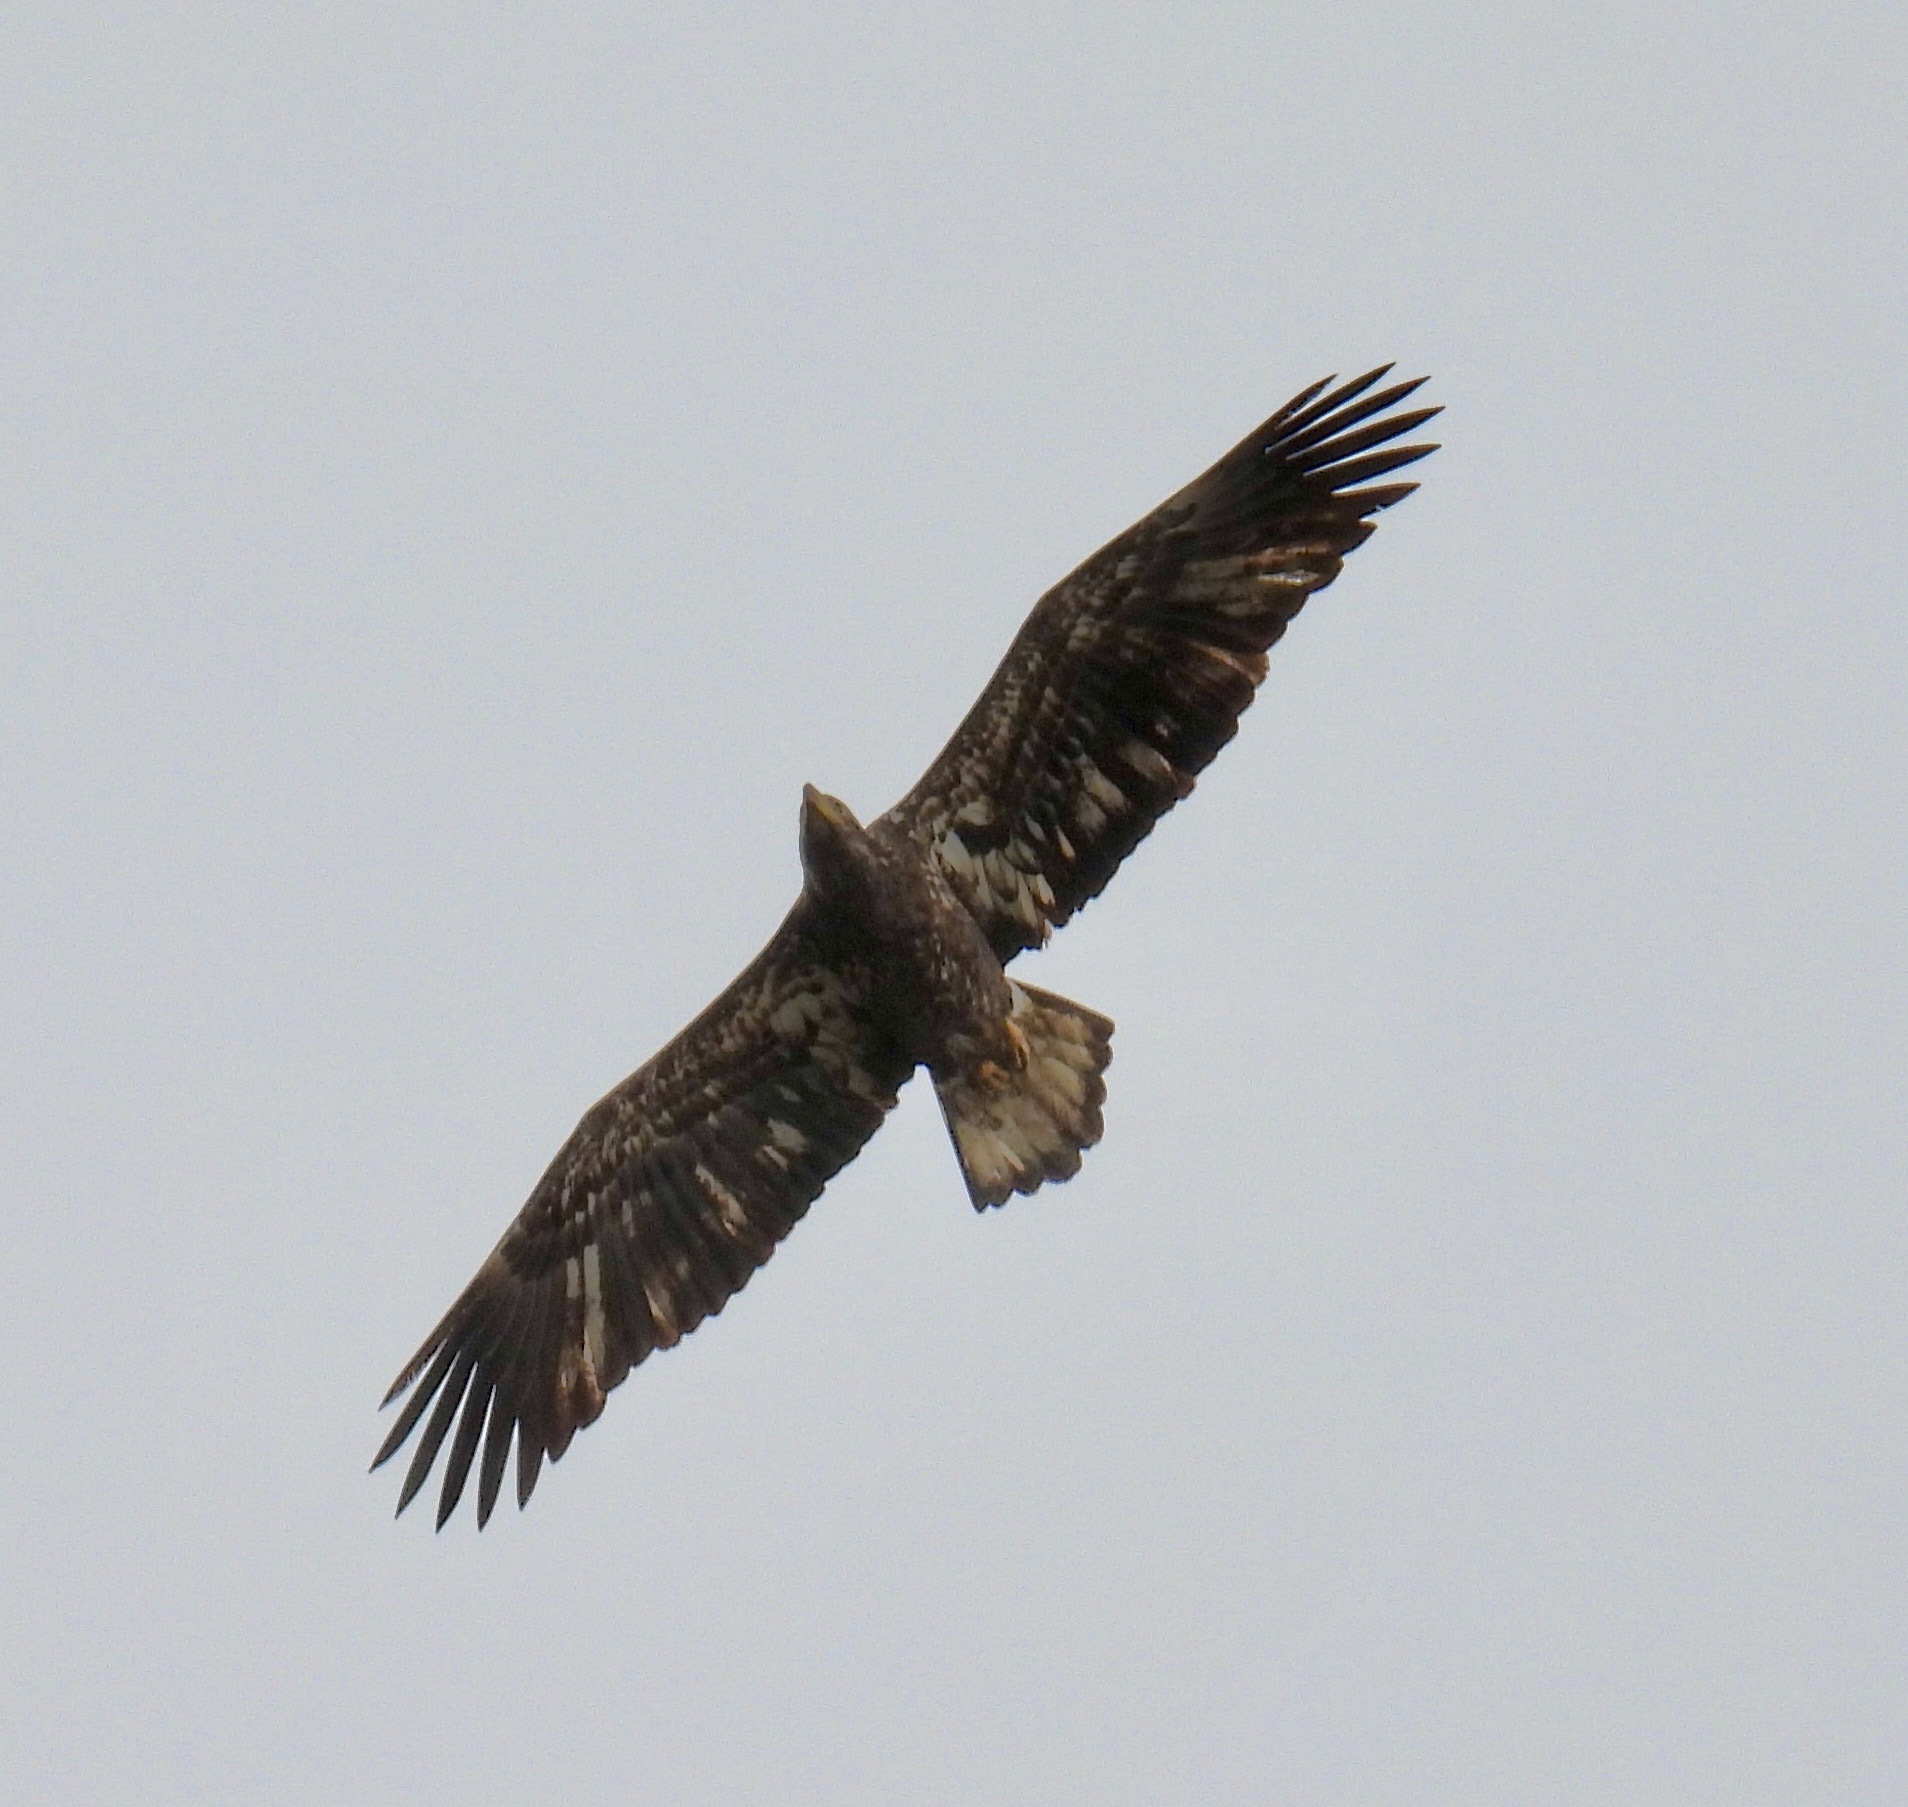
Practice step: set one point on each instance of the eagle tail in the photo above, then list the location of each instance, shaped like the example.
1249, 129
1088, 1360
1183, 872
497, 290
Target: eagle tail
1014, 1131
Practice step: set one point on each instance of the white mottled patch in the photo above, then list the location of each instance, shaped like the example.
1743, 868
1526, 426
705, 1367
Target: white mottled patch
726, 1201
786, 1135
662, 1309
593, 1326
1250, 666
1150, 764
960, 864
796, 1015
1099, 787
1007, 884
1007, 879
1235, 587
1212, 580
1241, 606
817, 1015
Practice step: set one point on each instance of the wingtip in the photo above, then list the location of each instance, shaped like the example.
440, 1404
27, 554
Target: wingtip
1344, 479
413, 1486
389, 1447
433, 1344
1346, 438
1376, 501
1302, 399
1310, 406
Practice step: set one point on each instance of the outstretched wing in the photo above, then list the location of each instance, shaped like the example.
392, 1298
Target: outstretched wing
668, 1196
1130, 675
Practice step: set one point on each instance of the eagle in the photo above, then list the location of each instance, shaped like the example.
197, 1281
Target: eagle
1121, 686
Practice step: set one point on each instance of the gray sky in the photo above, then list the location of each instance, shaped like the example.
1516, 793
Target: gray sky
465, 466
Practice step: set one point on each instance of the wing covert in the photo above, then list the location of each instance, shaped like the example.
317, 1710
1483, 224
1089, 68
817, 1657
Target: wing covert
1132, 673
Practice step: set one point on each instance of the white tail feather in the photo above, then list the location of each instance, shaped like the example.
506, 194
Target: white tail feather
1014, 1131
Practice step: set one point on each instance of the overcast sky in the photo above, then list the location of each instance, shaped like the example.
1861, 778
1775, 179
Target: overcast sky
463, 467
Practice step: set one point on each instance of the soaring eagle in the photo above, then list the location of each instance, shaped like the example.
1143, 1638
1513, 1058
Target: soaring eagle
1127, 678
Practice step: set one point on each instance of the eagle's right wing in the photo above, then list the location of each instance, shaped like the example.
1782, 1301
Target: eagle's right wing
670, 1193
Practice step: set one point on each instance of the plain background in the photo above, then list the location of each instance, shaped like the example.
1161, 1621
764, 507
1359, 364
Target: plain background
463, 467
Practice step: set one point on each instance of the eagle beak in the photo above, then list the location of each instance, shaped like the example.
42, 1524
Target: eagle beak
831, 809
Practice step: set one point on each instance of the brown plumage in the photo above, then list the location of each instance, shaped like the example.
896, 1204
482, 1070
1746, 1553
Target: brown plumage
1124, 682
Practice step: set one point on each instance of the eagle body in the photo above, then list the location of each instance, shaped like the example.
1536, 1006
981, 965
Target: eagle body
1123, 684
880, 898
1017, 1071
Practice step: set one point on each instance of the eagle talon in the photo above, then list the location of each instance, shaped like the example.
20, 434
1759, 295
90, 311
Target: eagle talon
1017, 1046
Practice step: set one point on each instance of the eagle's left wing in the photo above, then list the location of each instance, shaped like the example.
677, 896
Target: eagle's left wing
1131, 674
670, 1193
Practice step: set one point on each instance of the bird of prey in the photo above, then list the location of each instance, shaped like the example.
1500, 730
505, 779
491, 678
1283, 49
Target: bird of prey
1124, 682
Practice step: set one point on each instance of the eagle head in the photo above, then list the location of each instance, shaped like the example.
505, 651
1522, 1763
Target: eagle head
836, 857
